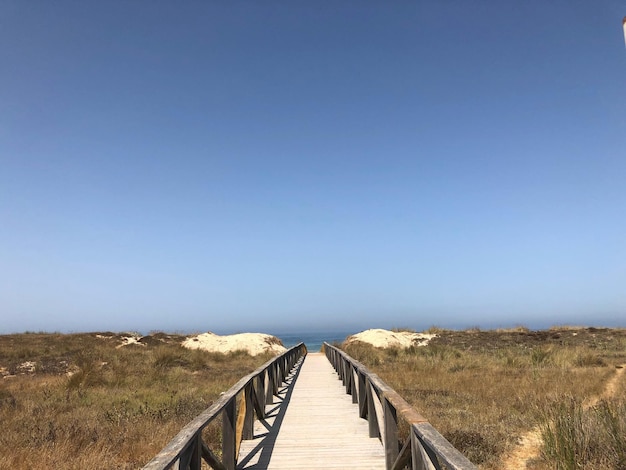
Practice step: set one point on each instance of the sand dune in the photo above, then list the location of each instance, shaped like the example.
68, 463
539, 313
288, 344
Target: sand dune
253, 343
380, 338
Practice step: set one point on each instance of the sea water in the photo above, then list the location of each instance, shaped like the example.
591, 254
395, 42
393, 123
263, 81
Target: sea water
312, 340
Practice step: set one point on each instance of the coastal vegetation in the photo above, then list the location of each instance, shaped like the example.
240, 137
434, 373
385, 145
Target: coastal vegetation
100, 401
492, 394
106, 400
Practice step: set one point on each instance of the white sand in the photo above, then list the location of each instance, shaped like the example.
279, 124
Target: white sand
130, 340
253, 343
380, 338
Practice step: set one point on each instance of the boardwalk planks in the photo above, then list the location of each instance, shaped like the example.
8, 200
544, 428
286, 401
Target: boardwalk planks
310, 417
186, 450
425, 449
320, 427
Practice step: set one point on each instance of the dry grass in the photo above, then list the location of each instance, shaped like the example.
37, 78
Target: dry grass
483, 389
575, 436
88, 404
78, 401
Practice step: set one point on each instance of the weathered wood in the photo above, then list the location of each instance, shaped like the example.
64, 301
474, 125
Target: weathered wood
283, 369
229, 433
211, 458
182, 440
383, 407
404, 457
362, 398
372, 418
391, 432
241, 417
185, 457
314, 425
437, 444
196, 453
259, 401
276, 379
259, 404
248, 404
181, 443
269, 394
419, 458
355, 385
320, 436
378, 411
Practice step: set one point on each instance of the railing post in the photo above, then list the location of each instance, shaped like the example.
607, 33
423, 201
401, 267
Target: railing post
196, 454
281, 372
381, 405
187, 449
269, 392
277, 379
372, 420
248, 422
284, 370
186, 458
420, 457
362, 395
229, 433
260, 395
391, 432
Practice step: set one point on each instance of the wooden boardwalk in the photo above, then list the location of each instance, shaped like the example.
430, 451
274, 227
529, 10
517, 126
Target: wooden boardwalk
312, 424
308, 418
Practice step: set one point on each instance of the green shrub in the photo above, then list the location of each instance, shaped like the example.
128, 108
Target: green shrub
589, 360
575, 437
539, 356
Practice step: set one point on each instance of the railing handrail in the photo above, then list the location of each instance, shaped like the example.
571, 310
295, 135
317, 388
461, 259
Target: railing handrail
187, 446
426, 448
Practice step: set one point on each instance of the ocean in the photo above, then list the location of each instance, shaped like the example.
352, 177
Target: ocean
313, 340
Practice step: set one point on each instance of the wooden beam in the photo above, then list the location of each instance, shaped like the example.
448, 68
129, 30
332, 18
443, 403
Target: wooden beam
390, 441
362, 395
436, 445
229, 433
196, 453
404, 458
260, 396
248, 403
355, 385
211, 458
241, 418
372, 418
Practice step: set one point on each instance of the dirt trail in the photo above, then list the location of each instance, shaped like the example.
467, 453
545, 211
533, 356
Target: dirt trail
530, 442
610, 388
528, 448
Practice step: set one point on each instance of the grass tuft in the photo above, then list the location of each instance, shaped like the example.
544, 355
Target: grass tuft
575, 437
91, 405
484, 389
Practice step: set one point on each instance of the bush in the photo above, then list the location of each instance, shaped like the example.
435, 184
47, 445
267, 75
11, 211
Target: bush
99, 406
575, 437
589, 360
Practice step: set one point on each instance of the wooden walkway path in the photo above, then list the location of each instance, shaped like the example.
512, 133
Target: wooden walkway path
312, 424
308, 418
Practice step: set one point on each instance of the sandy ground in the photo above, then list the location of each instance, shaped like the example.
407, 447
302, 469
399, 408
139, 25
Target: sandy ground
530, 442
127, 340
380, 338
253, 343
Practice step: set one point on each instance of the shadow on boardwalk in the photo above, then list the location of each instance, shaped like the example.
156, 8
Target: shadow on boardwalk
273, 420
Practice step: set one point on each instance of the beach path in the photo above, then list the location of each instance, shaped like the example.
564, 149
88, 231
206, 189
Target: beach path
312, 424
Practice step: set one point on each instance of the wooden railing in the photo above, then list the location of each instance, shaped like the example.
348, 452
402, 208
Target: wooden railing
424, 449
237, 406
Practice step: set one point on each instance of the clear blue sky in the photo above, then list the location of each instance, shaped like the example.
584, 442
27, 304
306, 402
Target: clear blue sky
265, 166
